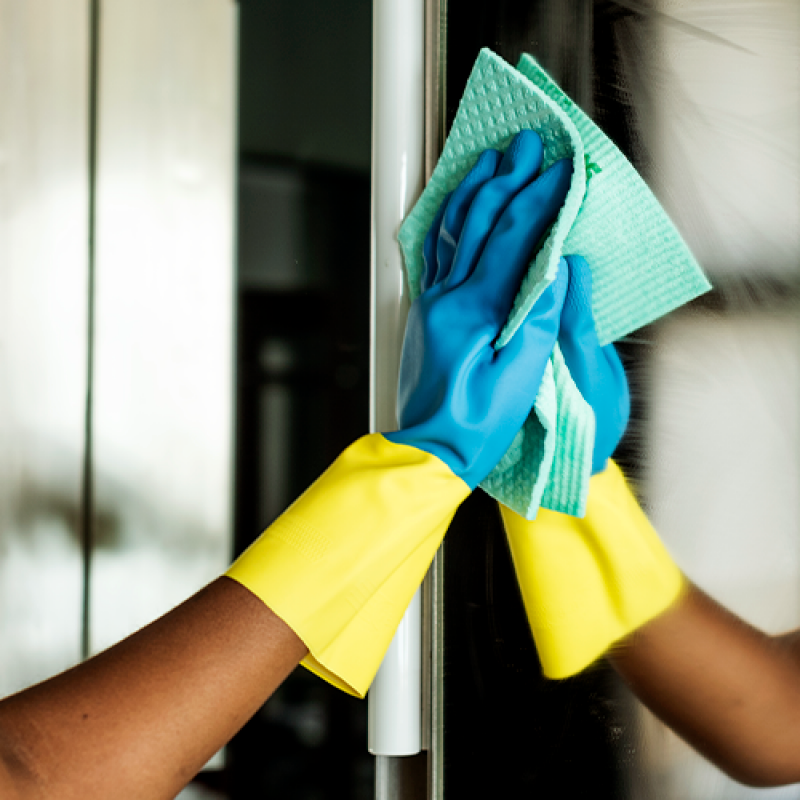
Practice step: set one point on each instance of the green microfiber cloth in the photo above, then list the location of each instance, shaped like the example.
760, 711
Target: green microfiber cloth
641, 268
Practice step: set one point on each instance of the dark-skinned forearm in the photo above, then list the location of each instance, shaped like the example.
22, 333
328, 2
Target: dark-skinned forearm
728, 689
140, 719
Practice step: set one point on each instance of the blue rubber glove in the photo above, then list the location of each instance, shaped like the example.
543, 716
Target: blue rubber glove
597, 371
459, 399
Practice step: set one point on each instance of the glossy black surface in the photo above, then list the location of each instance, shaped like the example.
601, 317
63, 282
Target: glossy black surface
509, 731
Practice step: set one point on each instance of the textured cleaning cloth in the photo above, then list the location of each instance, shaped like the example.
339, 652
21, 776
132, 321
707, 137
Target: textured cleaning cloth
641, 268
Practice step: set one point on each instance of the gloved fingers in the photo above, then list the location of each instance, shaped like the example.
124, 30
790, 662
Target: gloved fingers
577, 321
520, 165
429, 246
611, 416
597, 371
456, 207
508, 252
525, 356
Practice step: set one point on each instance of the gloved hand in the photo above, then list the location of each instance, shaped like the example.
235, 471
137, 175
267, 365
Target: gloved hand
341, 564
587, 583
460, 399
597, 371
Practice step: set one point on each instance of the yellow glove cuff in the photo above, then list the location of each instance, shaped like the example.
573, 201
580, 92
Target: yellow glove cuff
341, 565
587, 583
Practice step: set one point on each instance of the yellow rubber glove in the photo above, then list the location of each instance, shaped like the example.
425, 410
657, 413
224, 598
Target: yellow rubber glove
341, 565
587, 583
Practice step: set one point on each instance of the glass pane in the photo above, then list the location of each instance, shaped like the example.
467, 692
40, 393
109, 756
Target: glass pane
704, 97
508, 731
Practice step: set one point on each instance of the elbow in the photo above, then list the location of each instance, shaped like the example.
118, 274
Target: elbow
12, 783
18, 778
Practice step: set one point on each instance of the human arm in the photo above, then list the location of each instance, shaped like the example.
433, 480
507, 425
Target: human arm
605, 584
587, 582
338, 568
330, 580
140, 719
727, 688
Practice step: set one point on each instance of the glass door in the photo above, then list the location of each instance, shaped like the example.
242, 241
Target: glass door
704, 98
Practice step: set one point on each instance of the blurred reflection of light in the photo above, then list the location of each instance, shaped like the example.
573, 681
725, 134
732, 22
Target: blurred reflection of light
308, 721
723, 467
43, 303
726, 129
276, 357
402, 186
275, 450
725, 461
715, 93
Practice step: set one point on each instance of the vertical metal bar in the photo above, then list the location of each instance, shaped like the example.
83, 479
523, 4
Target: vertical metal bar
397, 179
400, 778
87, 487
433, 588
435, 81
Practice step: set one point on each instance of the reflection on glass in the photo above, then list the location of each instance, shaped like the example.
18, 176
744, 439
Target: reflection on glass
704, 95
722, 484
276, 426
722, 86
722, 460
302, 367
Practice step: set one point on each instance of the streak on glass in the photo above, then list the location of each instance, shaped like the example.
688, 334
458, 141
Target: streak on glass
43, 279
276, 424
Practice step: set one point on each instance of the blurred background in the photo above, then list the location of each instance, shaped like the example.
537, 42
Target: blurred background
184, 347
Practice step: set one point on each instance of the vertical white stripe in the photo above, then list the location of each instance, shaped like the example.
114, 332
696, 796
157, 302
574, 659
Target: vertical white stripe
397, 180
44, 82
164, 307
